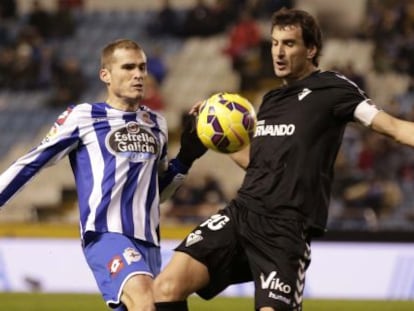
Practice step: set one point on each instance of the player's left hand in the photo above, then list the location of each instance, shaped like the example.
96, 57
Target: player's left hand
195, 108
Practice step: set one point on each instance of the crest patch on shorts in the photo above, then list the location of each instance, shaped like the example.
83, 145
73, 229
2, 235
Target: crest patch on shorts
193, 238
131, 255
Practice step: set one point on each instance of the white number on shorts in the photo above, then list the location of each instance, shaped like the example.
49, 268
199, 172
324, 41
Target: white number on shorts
216, 222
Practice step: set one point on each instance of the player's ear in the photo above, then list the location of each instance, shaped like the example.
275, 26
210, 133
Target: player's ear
311, 52
104, 75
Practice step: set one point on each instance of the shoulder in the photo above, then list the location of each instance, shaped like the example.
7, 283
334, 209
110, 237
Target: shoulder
335, 79
74, 113
162, 122
335, 83
81, 108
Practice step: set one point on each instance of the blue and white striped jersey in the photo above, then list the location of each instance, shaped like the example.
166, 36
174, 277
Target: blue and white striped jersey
115, 156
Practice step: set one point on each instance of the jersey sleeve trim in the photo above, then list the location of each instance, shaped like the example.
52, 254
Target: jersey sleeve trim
365, 112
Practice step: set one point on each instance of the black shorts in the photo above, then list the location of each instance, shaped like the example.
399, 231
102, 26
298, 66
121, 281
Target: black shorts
239, 246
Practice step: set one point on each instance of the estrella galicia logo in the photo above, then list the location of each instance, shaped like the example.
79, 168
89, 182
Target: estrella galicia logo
132, 141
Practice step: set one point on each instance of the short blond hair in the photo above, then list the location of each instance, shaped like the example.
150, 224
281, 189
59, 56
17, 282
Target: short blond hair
108, 50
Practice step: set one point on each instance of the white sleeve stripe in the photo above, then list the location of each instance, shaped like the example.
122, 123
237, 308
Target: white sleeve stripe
365, 112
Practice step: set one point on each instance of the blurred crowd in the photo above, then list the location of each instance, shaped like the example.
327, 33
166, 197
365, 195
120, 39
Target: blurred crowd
29, 55
374, 183
374, 177
390, 25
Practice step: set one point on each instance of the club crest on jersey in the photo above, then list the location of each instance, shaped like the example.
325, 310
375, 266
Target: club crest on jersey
146, 118
132, 141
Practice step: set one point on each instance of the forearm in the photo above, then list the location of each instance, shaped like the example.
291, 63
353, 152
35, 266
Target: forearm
26, 167
242, 157
171, 179
16, 177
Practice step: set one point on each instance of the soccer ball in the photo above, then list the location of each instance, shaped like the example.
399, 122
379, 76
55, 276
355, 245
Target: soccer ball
226, 122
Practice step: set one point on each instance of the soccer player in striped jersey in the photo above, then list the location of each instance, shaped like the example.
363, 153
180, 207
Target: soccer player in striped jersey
118, 153
264, 235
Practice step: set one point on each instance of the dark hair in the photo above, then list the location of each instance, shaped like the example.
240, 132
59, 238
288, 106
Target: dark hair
311, 32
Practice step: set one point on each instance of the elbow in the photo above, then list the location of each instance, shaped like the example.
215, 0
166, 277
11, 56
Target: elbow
241, 158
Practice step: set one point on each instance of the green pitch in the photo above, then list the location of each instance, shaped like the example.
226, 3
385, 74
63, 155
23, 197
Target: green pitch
79, 302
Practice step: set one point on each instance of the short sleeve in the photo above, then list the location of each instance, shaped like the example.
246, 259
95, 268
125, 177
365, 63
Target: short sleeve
348, 97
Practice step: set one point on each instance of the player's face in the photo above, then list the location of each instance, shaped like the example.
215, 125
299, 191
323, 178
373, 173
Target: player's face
292, 60
125, 76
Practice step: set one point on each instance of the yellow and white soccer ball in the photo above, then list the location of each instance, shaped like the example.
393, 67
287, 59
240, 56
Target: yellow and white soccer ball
226, 122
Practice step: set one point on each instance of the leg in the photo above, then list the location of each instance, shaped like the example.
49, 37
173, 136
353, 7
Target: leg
279, 254
206, 262
124, 270
137, 293
181, 277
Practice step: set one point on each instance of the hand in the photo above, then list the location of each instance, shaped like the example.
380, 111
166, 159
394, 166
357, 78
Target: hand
191, 146
196, 108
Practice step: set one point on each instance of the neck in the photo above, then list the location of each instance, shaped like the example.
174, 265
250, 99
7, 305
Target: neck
123, 105
305, 73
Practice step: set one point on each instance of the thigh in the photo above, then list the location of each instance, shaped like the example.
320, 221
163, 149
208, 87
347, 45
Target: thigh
115, 258
279, 254
215, 244
181, 277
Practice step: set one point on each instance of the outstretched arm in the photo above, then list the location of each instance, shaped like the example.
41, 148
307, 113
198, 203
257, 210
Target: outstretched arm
400, 130
61, 139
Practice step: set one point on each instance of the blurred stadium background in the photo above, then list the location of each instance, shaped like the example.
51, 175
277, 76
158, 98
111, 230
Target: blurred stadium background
49, 58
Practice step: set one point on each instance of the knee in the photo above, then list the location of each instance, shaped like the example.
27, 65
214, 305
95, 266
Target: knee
167, 288
180, 278
137, 294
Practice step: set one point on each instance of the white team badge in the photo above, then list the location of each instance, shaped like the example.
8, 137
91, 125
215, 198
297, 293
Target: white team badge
131, 255
193, 238
305, 92
145, 118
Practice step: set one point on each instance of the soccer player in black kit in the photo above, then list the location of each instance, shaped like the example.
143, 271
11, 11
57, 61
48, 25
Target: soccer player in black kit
265, 233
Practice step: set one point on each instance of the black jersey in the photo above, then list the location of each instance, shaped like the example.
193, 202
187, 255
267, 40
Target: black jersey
298, 135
